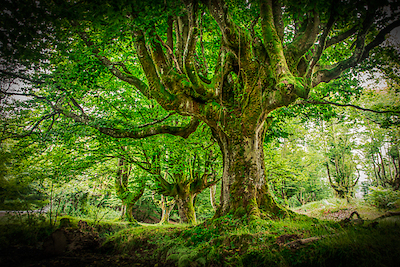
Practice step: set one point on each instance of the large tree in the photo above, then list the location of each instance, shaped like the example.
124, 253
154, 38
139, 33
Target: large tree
228, 64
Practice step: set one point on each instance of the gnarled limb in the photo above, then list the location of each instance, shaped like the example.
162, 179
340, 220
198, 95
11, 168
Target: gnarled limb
278, 20
272, 41
341, 37
128, 197
328, 73
127, 77
321, 46
137, 132
234, 37
166, 207
304, 40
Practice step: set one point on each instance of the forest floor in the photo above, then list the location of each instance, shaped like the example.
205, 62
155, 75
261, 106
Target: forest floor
337, 210
322, 239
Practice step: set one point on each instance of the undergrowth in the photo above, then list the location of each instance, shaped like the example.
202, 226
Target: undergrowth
222, 242
234, 242
229, 241
33, 229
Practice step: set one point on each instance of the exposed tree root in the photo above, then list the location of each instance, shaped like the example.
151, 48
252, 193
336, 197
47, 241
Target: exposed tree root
357, 221
388, 214
296, 244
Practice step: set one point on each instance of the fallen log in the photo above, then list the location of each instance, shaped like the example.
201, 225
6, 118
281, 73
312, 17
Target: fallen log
388, 214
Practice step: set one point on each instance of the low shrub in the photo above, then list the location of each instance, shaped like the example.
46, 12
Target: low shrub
383, 198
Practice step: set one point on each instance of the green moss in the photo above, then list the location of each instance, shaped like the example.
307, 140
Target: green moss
239, 212
230, 241
252, 208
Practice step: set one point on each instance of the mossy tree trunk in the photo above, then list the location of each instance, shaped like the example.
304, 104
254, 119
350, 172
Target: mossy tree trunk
128, 197
244, 185
343, 182
192, 175
165, 206
184, 189
187, 213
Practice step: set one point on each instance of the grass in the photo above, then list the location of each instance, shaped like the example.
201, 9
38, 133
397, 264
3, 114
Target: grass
238, 242
320, 209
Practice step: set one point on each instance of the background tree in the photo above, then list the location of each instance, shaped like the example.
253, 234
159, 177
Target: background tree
293, 160
182, 171
125, 192
382, 155
166, 207
341, 165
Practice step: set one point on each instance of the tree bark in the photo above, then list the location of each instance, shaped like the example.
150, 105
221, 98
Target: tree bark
129, 211
128, 197
186, 210
213, 190
166, 207
244, 185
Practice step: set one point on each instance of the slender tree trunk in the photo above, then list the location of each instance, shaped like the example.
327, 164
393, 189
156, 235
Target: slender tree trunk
213, 190
166, 209
396, 175
123, 210
121, 183
383, 167
375, 171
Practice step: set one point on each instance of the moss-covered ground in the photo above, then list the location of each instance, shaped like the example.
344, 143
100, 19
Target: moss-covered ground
230, 241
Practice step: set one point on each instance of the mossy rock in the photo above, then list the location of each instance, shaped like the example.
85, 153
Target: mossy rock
65, 222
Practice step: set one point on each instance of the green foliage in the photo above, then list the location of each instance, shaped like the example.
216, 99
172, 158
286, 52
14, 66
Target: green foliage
236, 242
293, 164
383, 198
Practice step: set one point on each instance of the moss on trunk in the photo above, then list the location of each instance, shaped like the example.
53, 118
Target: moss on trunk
128, 197
186, 209
244, 184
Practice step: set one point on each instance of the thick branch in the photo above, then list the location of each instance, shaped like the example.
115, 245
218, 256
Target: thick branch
137, 132
278, 21
305, 40
321, 45
380, 37
341, 37
140, 85
328, 73
272, 41
157, 89
289, 86
170, 39
234, 37
159, 57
